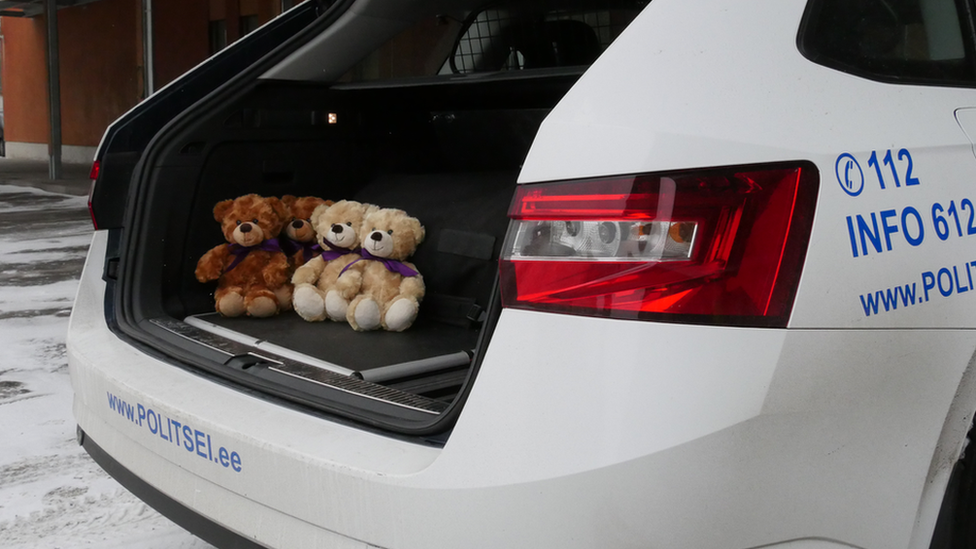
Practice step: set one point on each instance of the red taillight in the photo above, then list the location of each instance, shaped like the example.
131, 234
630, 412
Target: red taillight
93, 175
720, 246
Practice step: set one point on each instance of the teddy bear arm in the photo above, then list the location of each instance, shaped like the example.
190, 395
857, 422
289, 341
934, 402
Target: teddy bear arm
349, 283
413, 286
276, 271
211, 264
309, 272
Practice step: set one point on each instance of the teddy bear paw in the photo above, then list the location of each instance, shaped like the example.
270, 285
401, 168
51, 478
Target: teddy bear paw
283, 295
335, 306
308, 303
401, 315
262, 307
367, 315
231, 304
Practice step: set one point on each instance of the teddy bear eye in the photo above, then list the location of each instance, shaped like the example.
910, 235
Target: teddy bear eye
309, 220
238, 221
348, 224
390, 231
255, 221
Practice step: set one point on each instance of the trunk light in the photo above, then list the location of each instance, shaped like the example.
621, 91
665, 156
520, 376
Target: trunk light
93, 175
721, 246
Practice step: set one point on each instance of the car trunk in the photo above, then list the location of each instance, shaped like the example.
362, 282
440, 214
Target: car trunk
447, 150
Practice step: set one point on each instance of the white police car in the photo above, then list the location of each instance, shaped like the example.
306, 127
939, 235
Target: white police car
700, 274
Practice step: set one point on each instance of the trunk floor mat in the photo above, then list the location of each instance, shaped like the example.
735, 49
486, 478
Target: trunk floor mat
376, 356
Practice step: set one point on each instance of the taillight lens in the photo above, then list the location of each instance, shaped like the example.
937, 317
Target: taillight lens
716, 246
93, 175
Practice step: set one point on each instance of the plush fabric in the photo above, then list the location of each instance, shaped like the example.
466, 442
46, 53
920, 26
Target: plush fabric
387, 294
250, 269
298, 238
337, 228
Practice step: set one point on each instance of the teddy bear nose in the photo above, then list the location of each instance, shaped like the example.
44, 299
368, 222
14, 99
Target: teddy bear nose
246, 227
337, 228
297, 223
377, 236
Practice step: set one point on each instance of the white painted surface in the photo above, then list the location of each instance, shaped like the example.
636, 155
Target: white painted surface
585, 432
71, 154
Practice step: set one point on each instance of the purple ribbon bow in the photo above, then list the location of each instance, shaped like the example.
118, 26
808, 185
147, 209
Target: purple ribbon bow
240, 252
334, 252
391, 265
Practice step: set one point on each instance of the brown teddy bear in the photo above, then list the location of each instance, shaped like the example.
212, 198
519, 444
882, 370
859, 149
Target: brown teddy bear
337, 228
389, 288
251, 269
298, 240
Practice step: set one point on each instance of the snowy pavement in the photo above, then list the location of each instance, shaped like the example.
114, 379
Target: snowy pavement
52, 495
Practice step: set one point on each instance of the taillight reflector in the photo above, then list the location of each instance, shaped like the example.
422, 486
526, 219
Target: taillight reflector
93, 175
716, 246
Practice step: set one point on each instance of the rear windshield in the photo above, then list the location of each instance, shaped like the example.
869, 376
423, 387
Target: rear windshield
508, 36
915, 41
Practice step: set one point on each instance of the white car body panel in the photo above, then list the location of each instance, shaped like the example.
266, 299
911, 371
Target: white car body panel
766, 439
642, 107
627, 433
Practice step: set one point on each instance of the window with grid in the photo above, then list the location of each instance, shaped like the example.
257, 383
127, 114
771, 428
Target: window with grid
508, 36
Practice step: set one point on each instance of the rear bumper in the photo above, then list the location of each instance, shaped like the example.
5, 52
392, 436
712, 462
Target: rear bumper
186, 517
678, 436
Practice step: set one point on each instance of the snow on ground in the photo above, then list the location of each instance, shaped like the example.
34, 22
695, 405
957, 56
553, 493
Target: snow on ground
52, 495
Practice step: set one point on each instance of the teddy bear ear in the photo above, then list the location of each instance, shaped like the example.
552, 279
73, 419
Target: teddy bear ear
328, 202
279, 207
289, 201
317, 213
222, 208
419, 232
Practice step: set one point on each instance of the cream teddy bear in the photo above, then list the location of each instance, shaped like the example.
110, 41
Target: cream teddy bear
337, 228
389, 288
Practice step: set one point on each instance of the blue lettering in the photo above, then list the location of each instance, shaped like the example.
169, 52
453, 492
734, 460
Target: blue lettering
959, 289
870, 306
153, 421
196, 441
865, 231
850, 232
199, 440
914, 241
178, 426
187, 438
908, 296
888, 229
928, 282
945, 292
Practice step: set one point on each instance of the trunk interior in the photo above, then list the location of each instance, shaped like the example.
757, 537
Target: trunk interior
447, 150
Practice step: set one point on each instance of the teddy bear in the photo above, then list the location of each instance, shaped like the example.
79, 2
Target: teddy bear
389, 288
298, 239
337, 228
250, 269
